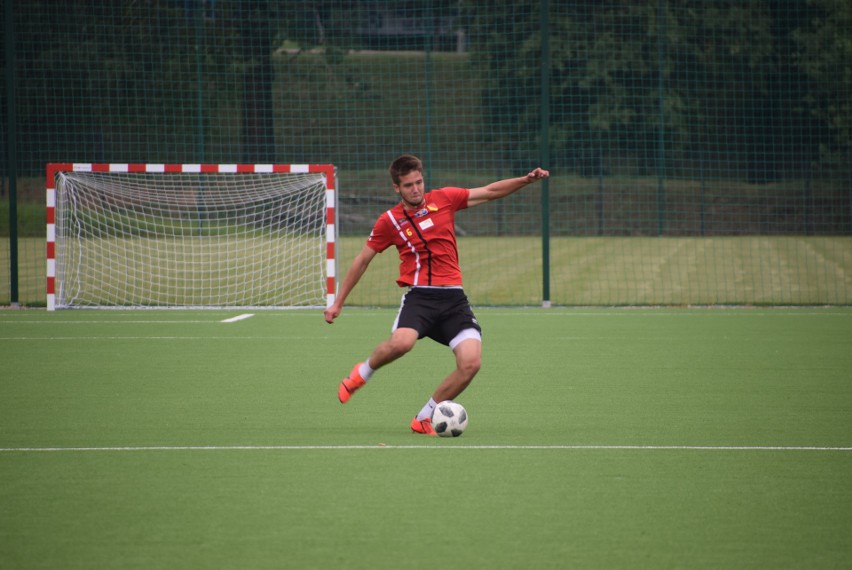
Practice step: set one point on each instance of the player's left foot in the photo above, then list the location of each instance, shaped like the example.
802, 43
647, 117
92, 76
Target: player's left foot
422, 426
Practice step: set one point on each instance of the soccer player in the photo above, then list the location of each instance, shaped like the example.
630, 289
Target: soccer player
422, 228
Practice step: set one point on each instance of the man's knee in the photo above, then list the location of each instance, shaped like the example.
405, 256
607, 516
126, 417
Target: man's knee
469, 367
402, 341
469, 358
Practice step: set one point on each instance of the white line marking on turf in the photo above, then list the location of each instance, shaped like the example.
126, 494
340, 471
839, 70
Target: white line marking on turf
650, 312
238, 318
383, 446
72, 338
105, 322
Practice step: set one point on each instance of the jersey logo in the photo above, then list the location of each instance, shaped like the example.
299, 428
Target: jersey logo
432, 207
426, 224
421, 213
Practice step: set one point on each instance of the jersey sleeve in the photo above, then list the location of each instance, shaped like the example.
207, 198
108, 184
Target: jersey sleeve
456, 197
381, 236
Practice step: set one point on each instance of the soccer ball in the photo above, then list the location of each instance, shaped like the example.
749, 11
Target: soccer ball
449, 419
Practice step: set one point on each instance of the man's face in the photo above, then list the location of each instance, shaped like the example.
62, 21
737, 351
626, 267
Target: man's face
411, 189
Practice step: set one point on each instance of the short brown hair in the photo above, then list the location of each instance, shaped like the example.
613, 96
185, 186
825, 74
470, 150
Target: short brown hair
403, 165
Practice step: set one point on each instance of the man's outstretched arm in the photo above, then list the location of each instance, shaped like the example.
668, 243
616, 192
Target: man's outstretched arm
353, 275
503, 188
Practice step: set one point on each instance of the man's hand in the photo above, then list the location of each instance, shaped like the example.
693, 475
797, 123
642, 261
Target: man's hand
537, 174
331, 313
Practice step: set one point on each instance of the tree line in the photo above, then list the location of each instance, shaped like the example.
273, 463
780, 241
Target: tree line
762, 86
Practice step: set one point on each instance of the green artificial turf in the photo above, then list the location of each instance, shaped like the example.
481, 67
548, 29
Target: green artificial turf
598, 438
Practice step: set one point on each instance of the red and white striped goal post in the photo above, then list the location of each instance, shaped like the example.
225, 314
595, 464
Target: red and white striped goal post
328, 170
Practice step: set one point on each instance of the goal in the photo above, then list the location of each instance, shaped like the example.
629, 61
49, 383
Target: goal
191, 235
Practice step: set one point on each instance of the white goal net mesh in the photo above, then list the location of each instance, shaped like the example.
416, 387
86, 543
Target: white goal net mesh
190, 240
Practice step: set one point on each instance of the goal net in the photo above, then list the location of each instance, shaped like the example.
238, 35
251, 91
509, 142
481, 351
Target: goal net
190, 236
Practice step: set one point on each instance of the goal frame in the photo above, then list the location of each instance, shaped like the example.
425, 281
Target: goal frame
328, 171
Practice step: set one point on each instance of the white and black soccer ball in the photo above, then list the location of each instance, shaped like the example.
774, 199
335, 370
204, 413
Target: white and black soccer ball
449, 419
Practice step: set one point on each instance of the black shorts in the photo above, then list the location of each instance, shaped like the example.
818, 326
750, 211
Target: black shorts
436, 312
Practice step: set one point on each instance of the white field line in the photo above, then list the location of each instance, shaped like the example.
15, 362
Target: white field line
106, 322
431, 447
234, 338
643, 312
238, 318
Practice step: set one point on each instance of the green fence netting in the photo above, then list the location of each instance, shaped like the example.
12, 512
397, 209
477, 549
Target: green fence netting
700, 151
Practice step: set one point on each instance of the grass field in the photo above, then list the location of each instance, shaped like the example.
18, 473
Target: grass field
631, 438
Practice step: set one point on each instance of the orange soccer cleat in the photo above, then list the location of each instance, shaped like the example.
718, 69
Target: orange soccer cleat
350, 384
422, 426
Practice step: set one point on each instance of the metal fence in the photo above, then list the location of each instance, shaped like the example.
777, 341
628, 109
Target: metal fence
700, 152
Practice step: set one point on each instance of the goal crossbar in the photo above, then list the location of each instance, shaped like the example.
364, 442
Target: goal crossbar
123, 230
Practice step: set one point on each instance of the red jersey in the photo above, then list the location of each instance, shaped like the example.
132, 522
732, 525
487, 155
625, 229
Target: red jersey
424, 237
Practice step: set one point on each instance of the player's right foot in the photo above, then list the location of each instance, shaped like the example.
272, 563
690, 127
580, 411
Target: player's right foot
423, 426
350, 384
